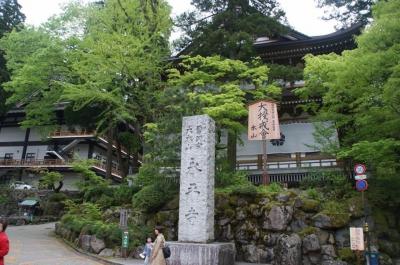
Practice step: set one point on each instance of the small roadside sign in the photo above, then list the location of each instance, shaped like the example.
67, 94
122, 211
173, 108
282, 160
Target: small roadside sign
356, 238
359, 169
360, 177
125, 239
361, 185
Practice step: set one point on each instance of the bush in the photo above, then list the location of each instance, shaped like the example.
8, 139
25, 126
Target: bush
244, 190
346, 254
273, 187
333, 184
58, 197
151, 198
226, 178
313, 194
123, 194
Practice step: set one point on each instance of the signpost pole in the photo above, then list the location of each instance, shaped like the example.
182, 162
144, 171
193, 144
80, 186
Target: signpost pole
123, 224
265, 165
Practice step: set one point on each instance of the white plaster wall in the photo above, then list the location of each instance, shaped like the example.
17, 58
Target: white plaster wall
82, 150
16, 150
35, 135
12, 134
39, 150
299, 138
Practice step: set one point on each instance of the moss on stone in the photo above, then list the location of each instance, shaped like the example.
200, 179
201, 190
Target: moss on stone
267, 207
346, 254
355, 206
310, 205
307, 231
233, 200
339, 220
229, 213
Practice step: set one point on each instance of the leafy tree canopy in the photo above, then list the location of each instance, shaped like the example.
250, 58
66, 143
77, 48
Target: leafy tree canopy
206, 85
360, 93
228, 27
347, 12
10, 18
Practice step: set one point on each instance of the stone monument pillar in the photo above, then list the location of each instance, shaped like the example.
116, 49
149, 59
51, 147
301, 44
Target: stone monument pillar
196, 203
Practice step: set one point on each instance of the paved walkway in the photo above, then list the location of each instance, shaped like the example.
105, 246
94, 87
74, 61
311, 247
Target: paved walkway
37, 245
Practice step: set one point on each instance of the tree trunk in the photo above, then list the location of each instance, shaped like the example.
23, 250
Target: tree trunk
231, 151
60, 185
109, 153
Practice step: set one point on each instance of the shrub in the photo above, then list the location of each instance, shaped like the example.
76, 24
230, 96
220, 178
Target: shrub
123, 194
346, 254
270, 189
312, 193
58, 197
244, 190
227, 178
153, 197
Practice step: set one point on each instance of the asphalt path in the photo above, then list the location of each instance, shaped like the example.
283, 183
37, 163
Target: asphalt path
37, 245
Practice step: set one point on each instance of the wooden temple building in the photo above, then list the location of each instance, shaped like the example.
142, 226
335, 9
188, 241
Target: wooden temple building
296, 154
290, 158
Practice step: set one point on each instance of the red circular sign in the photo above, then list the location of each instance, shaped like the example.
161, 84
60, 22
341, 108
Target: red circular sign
359, 169
361, 185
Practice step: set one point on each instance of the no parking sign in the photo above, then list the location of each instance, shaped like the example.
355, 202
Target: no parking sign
361, 185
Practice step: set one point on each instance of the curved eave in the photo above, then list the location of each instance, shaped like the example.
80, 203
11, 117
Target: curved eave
334, 42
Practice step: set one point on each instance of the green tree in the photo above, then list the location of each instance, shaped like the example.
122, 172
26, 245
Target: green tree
228, 28
49, 180
347, 12
360, 95
207, 85
119, 63
10, 17
37, 63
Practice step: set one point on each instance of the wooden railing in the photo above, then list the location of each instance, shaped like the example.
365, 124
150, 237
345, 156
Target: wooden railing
289, 178
65, 133
103, 167
34, 162
256, 165
52, 163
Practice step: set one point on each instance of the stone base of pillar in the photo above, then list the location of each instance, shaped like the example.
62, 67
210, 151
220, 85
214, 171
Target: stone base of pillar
201, 254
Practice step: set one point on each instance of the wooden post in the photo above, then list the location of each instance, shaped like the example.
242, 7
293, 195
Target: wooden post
265, 165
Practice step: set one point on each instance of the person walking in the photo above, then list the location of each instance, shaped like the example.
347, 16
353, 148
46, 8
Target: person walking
157, 255
4, 244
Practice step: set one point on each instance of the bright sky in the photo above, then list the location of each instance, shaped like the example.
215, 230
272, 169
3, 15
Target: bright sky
302, 15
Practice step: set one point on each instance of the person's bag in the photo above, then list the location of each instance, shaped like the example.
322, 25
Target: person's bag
166, 251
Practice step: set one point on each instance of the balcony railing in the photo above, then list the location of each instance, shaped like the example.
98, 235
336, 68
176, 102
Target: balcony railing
34, 162
255, 165
53, 163
64, 133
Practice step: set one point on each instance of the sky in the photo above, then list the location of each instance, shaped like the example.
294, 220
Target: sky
302, 15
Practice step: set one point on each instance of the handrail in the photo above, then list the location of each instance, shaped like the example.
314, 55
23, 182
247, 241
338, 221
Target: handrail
52, 162
60, 133
255, 165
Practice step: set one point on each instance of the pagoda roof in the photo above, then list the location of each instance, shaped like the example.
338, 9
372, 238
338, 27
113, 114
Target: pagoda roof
295, 44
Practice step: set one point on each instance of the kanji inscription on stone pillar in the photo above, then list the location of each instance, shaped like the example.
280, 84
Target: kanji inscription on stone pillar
196, 202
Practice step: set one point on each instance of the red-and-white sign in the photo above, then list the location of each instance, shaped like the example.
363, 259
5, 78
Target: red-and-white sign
359, 169
356, 238
263, 121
